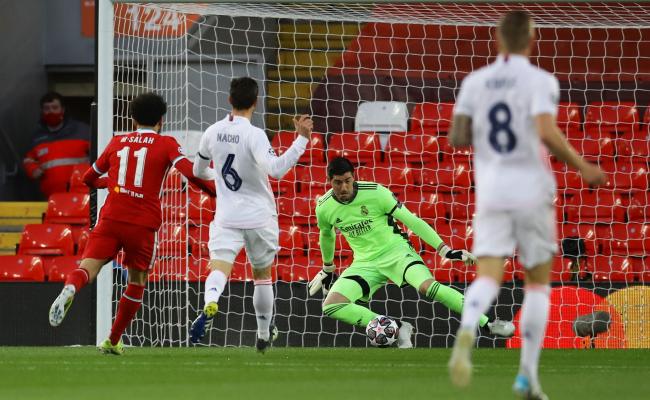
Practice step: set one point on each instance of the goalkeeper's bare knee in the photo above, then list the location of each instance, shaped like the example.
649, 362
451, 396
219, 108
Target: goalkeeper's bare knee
335, 298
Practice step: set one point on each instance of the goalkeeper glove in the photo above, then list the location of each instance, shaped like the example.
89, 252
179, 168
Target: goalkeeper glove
323, 280
461, 255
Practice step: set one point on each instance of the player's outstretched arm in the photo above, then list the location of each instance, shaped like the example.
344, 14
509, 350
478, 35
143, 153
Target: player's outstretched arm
94, 180
278, 166
327, 241
558, 146
460, 133
184, 166
431, 237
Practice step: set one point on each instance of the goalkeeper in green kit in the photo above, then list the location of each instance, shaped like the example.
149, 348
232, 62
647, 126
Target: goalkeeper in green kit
365, 213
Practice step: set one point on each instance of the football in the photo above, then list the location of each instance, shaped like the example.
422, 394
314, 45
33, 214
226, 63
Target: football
382, 331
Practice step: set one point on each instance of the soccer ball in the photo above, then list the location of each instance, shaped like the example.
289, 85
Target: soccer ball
382, 331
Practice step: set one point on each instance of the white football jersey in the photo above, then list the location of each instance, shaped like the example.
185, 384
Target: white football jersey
511, 167
243, 159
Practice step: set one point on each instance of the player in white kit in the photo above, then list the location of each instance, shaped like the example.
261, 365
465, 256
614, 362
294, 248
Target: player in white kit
506, 110
246, 215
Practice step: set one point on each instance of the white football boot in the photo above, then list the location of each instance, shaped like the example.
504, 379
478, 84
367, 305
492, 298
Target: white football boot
460, 364
61, 304
404, 336
501, 328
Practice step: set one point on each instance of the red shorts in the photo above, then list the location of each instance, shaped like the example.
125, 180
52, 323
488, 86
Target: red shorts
108, 237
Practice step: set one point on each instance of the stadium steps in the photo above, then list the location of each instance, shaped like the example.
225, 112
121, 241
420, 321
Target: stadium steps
13, 217
305, 52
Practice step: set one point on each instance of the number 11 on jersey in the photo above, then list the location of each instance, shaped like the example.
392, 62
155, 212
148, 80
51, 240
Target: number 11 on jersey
123, 155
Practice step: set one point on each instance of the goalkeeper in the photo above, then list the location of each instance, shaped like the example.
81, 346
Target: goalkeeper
365, 213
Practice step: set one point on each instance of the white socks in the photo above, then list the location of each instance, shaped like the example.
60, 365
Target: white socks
478, 298
263, 303
214, 285
534, 316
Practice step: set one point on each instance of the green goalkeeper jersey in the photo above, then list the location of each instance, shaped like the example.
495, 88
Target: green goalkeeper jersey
368, 223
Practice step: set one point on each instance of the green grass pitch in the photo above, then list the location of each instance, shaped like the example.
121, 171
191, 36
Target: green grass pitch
292, 373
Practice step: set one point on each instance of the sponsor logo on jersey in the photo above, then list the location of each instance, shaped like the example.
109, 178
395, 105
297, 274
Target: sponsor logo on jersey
129, 192
138, 139
358, 229
227, 138
364, 210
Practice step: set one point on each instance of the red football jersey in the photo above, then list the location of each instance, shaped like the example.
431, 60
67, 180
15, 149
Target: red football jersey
137, 164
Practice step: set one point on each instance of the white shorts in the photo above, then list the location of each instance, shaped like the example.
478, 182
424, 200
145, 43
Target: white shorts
261, 243
532, 232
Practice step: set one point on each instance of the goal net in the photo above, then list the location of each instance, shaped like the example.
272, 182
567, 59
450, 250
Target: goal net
380, 81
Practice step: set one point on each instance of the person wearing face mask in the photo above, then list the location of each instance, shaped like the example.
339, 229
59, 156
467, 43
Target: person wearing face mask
59, 143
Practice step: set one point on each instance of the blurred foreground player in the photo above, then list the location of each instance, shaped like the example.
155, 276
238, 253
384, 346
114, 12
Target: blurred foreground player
136, 164
506, 110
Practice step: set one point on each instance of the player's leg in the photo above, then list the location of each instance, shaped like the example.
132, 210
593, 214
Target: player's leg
262, 245
102, 247
493, 241
224, 245
139, 244
536, 240
358, 282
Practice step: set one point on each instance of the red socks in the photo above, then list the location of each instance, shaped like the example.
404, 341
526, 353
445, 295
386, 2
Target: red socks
129, 305
77, 278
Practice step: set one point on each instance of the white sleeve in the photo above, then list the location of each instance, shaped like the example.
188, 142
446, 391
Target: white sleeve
464, 104
266, 158
546, 96
201, 167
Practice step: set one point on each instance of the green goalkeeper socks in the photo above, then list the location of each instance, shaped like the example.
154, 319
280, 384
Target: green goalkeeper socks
349, 312
451, 298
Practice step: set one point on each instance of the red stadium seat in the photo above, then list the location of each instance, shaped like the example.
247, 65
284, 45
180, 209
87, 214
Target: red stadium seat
397, 178
291, 240
561, 269
626, 177
198, 269
241, 269
172, 241
442, 269
313, 155
638, 210
568, 118
298, 268
431, 118
358, 147
587, 232
595, 207
68, 208
598, 150
286, 185
456, 179
420, 149
461, 206
199, 237
82, 240
76, 184
611, 118
173, 181
298, 210
21, 268
313, 180
612, 268
60, 267
630, 239
168, 270
454, 155
46, 240
428, 206
201, 209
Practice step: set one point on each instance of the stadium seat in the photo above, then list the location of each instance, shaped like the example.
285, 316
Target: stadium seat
21, 268
454, 155
638, 209
442, 269
68, 208
46, 240
313, 181
612, 268
60, 267
358, 147
596, 150
428, 206
82, 240
168, 270
561, 269
431, 118
286, 185
568, 180
611, 118
381, 116
420, 149
76, 184
174, 181
172, 241
241, 269
568, 118
298, 268
625, 239
456, 179
298, 210
313, 155
198, 269
198, 237
201, 209
595, 207
291, 240
397, 178
625, 177
461, 206
587, 232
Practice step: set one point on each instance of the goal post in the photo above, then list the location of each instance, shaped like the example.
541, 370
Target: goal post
404, 61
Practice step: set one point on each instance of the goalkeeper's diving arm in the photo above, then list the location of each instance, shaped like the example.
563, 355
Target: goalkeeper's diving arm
430, 236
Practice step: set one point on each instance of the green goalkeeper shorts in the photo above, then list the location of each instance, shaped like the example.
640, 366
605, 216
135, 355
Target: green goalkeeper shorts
362, 279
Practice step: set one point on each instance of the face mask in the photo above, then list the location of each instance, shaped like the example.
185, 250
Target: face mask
52, 119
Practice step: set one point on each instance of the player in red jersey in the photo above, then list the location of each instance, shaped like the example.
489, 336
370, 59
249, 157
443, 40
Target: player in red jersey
136, 165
